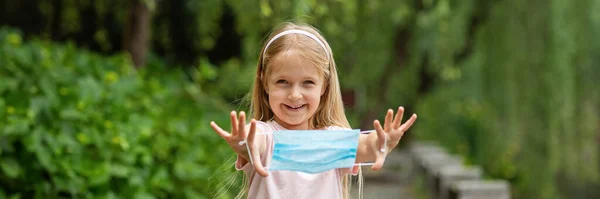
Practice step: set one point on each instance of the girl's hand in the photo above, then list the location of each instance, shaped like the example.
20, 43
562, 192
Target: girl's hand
240, 137
389, 136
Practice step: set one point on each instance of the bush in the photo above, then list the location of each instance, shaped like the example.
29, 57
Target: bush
81, 125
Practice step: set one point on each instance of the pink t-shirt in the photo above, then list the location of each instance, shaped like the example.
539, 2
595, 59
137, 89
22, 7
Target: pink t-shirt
290, 184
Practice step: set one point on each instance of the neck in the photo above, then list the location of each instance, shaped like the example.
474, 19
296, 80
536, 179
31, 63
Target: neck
303, 126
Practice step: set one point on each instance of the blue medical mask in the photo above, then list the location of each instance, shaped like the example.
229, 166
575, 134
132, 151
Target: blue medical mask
314, 151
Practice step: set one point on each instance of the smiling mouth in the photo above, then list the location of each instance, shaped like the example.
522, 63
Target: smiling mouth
295, 107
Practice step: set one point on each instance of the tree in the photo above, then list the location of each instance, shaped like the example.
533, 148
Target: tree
137, 30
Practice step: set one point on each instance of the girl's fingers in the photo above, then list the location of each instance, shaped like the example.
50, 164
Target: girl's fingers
388, 120
252, 129
242, 125
219, 130
254, 153
234, 123
257, 163
379, 161
380, 135
251, 135
398, 118
408, 123
380, 157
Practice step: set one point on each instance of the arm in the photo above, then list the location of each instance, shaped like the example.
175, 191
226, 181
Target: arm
376, 146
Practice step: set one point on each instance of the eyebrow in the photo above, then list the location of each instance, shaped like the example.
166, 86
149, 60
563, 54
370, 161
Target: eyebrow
305, 78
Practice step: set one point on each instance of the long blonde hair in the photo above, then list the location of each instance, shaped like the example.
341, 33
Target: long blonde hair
331, 109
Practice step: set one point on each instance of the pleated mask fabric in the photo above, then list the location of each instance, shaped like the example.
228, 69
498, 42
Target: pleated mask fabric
314, 151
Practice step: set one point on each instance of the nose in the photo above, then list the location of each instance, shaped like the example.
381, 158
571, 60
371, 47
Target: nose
295, 94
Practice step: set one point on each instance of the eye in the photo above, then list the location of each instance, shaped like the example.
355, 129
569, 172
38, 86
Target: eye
309, 82
281, 81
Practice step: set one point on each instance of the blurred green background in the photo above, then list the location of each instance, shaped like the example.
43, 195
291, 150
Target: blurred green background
113, 99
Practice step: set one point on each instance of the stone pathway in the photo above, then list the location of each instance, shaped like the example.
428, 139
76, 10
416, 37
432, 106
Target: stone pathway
394, 180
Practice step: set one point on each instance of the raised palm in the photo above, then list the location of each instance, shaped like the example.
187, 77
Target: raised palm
241, 140
390, 134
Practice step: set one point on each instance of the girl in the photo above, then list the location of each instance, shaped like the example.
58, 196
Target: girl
296, 88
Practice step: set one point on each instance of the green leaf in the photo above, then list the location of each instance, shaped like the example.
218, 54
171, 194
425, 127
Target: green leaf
38, 104
45, 158
6, 144
14, 39
136, 180
67, 141
42, 189
48, 87
8, 84
2, 108
33, 139
15, 196
90, 90
16, 126
72, 114
60, 182
109, 195
119, 170
207, 71
52, 141
143, 195
265, 8
187, 170
10, 167
100, 175
160, 179
192, 193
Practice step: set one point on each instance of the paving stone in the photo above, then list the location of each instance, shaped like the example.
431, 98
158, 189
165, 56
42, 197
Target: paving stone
480, 189
391, 182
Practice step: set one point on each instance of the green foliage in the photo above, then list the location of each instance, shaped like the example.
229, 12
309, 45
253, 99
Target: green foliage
525, 104
77, 124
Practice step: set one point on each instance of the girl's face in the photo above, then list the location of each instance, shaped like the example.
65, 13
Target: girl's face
295, 87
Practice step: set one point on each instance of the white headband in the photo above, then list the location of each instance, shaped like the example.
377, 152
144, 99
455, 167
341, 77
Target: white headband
302, 32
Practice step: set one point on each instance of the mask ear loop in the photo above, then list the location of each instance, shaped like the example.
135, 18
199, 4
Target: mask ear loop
248, 149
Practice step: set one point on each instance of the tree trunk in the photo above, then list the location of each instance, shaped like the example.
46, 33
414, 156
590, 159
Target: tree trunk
137, 32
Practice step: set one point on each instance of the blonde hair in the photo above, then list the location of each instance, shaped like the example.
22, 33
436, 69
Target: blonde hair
331, 109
